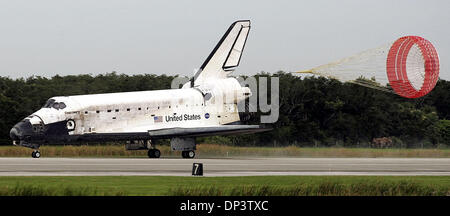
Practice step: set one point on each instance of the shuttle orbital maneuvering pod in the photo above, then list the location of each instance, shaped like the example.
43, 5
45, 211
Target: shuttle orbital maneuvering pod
205, 106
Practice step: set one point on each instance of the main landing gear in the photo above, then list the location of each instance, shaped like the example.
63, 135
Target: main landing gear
188, 154
36, 154
154, 153
186, 145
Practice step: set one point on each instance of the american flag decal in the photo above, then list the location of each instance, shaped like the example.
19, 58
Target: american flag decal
158, 119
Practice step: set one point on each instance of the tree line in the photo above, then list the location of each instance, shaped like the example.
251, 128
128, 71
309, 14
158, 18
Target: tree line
314, 111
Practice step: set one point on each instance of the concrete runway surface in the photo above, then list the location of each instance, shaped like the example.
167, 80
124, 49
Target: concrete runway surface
223, 167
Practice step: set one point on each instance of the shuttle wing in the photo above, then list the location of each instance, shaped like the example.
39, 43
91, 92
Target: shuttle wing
174, 132
207, 131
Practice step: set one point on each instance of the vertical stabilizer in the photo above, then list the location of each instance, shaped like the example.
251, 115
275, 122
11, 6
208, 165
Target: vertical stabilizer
226, 55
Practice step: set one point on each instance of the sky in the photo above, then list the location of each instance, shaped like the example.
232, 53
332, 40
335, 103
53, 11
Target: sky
49, 37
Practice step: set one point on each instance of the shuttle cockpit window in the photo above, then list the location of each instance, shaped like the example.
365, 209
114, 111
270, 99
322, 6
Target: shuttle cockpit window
60, 105
51, 103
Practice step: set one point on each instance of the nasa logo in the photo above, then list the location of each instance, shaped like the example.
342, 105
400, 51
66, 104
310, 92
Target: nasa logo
206, 115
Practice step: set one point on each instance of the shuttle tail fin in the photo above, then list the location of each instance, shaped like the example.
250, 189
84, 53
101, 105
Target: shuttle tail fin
226, 56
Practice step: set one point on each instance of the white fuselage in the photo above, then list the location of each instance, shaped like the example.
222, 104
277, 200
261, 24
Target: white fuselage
148, 110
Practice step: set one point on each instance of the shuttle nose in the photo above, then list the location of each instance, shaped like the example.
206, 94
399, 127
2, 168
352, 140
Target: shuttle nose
21, 131
14, 134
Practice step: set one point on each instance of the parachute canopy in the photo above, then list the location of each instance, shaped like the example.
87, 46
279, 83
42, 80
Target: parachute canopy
409, 67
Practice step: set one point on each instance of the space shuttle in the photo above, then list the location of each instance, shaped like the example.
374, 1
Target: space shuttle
205, 106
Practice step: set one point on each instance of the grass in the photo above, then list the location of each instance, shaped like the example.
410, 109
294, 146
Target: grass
214, 150
235, 186
21, 189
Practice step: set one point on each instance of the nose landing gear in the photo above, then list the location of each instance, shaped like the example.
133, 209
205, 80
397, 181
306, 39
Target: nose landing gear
36, 154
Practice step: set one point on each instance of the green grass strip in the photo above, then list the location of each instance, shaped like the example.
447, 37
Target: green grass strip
226, 186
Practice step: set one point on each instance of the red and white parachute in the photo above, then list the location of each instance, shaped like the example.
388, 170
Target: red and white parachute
410, 66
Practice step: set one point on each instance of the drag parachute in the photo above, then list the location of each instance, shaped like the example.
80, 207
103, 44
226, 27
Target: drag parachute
409, 67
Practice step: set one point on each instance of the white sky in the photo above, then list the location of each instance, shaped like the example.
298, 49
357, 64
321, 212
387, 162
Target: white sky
50, 37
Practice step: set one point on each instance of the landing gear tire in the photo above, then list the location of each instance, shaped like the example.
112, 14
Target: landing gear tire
188, 154
36, 154
157, 153
154, 153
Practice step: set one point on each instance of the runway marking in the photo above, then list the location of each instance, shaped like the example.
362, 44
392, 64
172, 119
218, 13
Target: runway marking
223, 167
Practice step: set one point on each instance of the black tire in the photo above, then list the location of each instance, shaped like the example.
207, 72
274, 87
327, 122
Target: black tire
156, 153
188, 154
151, 153
36, 154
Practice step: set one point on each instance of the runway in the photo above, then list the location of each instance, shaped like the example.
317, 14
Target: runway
223, 167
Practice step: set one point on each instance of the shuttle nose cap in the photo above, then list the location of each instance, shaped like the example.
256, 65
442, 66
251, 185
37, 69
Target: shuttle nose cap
21, 130
14, 134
